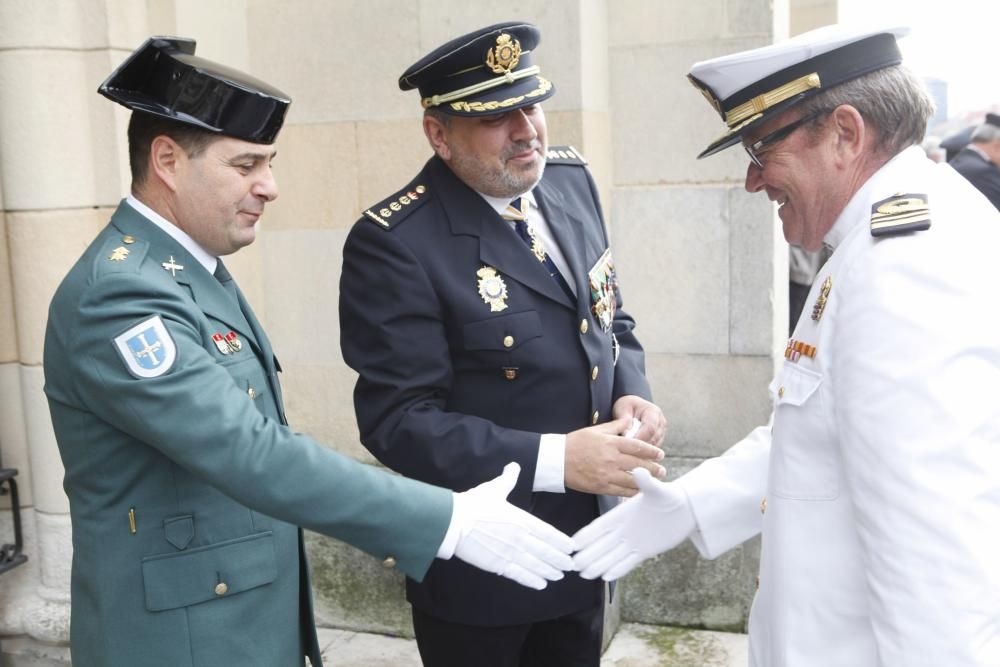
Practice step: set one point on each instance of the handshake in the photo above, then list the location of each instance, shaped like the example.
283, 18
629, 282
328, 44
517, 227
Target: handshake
489, 533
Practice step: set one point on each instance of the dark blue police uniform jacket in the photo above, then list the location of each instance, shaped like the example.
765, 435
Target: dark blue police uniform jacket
980, 172
451, 389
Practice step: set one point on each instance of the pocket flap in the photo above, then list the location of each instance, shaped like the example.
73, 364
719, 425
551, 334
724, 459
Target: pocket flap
196, 575
491, 334
794, 385
179, 530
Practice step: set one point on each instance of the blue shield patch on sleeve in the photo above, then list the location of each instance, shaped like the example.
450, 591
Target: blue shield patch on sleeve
147, 348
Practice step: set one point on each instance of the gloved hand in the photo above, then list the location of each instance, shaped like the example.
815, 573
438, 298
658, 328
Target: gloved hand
655, 520
498, 537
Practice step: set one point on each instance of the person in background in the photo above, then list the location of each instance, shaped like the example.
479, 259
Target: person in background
979, 161
186, 486
876, 484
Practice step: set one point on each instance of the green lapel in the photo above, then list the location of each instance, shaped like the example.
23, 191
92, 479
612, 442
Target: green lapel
208, 293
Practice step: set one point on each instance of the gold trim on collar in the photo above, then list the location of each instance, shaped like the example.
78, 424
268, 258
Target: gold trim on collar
482, 86
765, 101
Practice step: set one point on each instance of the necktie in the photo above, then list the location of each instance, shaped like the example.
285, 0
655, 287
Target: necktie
226, 279
517, 212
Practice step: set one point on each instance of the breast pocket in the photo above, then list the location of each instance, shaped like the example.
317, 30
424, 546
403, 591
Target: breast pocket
803, 453
504, 333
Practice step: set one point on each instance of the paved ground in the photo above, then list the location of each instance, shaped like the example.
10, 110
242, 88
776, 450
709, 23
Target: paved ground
633, 646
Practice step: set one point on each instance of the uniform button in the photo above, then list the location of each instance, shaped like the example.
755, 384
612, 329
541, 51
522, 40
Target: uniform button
389, 562
508, 341
763, 504
593, 373
252, 393
510, 373
781, 392
128, 238
221, 588
584, 327
596, 416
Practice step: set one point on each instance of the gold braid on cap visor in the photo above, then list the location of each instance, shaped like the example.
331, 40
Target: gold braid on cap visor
489, 84
765, 101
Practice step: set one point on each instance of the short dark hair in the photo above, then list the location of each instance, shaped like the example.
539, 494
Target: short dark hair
440, 116
144, 127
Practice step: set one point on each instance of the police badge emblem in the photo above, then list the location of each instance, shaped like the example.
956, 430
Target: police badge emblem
492, 289
603, 285
147, 348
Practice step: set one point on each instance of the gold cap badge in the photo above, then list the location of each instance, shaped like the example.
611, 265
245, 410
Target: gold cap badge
504, 56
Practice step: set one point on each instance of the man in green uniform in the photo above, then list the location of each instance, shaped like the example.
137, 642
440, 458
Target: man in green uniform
186, 486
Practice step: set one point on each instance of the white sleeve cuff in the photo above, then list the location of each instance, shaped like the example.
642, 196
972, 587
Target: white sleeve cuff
450, 541
550, 470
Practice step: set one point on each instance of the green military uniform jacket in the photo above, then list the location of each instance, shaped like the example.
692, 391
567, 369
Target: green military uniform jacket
185, 485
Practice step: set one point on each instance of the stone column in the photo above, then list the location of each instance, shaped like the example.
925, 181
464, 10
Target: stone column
703, 270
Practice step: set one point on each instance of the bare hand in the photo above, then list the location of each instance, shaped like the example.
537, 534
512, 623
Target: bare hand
598, 460
654, 424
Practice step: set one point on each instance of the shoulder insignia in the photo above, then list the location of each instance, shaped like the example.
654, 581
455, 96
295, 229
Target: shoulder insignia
121, 254
392, 210
564, 155
147, 349
899, 214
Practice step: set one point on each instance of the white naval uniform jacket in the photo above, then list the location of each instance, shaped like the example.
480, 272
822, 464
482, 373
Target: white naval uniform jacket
881, 465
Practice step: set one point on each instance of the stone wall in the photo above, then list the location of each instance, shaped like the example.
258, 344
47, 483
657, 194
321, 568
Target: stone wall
702, 265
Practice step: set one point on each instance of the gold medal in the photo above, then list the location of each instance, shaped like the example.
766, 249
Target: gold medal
492, 289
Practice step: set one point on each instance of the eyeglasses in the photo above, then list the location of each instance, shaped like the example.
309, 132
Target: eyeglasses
753, 150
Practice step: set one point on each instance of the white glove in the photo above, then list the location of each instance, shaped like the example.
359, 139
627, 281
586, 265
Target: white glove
498, 537
656, 519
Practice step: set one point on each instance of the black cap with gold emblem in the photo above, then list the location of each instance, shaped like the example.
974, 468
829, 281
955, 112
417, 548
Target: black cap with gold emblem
487, 71
163, 77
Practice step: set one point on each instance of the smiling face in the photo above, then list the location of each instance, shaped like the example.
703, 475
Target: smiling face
800, 174
501, 155
220, 193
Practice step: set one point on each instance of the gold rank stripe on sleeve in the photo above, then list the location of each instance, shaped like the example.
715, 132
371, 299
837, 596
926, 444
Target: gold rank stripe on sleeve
395, 208
900, 213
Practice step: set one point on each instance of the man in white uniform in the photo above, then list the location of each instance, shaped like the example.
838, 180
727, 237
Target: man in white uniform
876, 483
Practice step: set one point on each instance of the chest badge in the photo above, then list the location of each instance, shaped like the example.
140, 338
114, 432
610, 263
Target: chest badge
492, 289
172, 266
824, 294
603, 288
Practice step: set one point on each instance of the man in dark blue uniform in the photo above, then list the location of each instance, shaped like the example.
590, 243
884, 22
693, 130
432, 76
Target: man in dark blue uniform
480, 306
979, 162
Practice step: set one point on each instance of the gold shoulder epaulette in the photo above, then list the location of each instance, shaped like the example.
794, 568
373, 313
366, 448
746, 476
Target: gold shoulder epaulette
121, 253
899, 214
564, 155
391, 210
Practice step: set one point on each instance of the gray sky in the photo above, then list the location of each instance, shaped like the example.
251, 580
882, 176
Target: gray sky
954, 40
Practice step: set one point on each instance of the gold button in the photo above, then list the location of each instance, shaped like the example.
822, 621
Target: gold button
596, 416
221, 588
510, 373
584, 327
763, 504
389, 562
252, 393
128, 238
508, 341
593, 373
781, 392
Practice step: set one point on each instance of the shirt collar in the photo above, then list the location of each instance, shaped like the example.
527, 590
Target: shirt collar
499, 204
176, 233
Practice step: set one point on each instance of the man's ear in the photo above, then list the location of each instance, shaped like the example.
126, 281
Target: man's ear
850, 131
437, 136
166, 157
